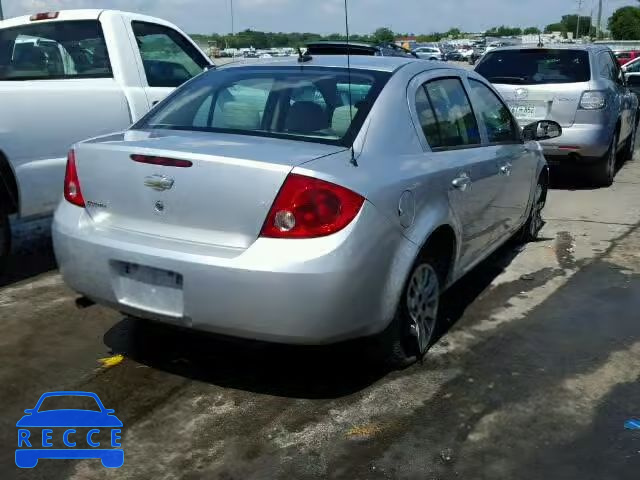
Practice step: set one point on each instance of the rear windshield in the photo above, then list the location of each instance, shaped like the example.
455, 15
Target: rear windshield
536, 66
53, 50
303, 103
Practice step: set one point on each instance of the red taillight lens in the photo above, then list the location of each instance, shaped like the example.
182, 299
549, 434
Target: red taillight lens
44, 16
72, 191
307, 207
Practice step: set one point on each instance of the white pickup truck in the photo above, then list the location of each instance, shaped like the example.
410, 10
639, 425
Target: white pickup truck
70, 75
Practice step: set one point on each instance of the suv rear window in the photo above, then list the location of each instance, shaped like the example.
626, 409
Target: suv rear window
535, 66
53, 50
310, 104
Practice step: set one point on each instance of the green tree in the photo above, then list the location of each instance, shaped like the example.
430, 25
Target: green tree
571, 24
624, 24
555, 27
454, 33
531, 31
503, 31
384, 35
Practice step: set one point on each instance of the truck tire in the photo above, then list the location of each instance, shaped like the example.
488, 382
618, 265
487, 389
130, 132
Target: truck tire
5, 240
605, 170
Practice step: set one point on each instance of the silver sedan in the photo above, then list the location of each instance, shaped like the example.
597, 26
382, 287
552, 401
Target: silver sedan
303, 202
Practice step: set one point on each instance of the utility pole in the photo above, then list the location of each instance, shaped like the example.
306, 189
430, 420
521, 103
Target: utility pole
1, 15
578, 23
599, 25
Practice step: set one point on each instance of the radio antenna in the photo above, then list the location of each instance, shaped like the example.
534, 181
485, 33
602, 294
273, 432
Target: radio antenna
346, 25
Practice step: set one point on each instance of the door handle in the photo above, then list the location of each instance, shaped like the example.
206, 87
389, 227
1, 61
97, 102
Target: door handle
506, 169
461, 182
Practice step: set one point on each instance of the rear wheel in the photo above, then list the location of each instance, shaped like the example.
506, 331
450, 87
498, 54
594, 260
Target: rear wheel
605, 170
411, 332
5, 240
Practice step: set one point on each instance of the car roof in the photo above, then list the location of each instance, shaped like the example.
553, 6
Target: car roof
358, 62
558, 46
77, 14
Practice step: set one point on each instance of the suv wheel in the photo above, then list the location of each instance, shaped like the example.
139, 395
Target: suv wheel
605, 170
5, 239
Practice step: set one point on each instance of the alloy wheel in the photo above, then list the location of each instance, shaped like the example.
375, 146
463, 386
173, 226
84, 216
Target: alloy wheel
422, 299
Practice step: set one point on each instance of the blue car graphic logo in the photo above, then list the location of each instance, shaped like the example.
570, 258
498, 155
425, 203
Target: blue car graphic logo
36, 433
633, 424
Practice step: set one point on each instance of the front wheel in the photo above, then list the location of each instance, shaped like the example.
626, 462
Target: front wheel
5, 240
530, 231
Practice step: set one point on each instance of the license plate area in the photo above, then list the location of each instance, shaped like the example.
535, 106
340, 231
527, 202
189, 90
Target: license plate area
148, 288
526, 110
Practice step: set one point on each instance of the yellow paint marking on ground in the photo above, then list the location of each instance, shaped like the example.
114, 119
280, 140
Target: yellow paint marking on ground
363, 431
112, 361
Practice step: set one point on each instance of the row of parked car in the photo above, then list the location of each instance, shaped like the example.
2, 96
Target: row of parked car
306, 200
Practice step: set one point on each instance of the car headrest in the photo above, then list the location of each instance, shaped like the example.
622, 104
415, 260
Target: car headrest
237, 116
341, 119
306, 117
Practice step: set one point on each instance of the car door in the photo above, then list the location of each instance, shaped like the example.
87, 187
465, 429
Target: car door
167, 58
620, 96
515, 163
468, 169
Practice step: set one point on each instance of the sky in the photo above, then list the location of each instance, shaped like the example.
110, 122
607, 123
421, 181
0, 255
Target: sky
327, 16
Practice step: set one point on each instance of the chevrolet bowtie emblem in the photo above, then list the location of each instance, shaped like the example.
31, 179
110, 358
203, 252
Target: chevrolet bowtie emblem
158, 182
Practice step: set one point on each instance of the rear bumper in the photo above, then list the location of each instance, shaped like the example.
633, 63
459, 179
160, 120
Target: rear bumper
580, 143
311, 292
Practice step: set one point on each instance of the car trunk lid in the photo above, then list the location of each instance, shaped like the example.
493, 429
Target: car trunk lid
530, 103
221, 199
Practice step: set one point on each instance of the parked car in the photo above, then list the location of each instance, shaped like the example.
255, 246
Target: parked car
454, 56
257, 203
478, 52
357, 48
631, 72
66, 76
429, 53
579, 86
626, 56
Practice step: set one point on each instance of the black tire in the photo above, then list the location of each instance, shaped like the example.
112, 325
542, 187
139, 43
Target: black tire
530, 231
398, 347
5, 240
604, 171
630, 146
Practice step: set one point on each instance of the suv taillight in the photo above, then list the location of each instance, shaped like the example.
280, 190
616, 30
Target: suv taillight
307, 207
72, 191
593, 100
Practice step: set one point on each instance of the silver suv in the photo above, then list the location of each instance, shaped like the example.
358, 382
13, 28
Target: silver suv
579, 86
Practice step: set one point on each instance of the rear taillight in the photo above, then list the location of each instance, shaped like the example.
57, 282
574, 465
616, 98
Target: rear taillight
72, 191
307, 207
44, 16
593, 100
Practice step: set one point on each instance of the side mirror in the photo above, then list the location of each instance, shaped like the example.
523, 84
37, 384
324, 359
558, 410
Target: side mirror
209, 67
633, 80
542, 130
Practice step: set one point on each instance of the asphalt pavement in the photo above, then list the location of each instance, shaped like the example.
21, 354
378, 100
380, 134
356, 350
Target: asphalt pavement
533, 377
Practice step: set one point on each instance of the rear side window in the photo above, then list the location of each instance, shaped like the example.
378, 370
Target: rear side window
169, 59
501, 128
445, 114
607, 67
310, 104
54, 50
535, 66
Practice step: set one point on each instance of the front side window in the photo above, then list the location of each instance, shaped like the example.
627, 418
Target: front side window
501, 127
633, 67
311, 104
169, 59
54, 50
535, 66
445, 114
